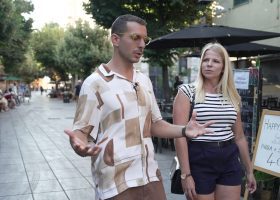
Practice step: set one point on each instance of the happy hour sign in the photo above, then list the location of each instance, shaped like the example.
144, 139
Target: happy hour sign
267, 150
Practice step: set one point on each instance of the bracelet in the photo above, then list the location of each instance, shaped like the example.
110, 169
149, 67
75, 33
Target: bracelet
184, 176
184, 131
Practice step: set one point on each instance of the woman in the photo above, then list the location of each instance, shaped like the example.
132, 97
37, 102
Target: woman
3, 102
210, 163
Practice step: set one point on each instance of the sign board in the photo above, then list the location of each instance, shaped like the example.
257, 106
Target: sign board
247, 83
241, 79
193, 64
267, 150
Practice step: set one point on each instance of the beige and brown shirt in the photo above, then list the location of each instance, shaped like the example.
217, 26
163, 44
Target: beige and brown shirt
117, 114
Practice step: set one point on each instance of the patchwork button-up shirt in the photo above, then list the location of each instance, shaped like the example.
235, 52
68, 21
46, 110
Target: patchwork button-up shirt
117, 114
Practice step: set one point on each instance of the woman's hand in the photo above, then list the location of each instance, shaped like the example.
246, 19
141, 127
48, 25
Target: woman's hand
251, 182
189, 188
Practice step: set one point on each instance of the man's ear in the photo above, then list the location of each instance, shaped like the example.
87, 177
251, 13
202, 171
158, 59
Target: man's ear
115, 39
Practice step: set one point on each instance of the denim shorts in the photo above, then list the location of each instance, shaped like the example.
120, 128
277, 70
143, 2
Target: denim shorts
212, 165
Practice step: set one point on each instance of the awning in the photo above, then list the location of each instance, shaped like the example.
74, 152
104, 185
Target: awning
12, 78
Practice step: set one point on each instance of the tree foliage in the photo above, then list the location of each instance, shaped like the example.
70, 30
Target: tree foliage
45, 45
15, 31
30, 68
162, 16
6, 26
77, 50
84, 48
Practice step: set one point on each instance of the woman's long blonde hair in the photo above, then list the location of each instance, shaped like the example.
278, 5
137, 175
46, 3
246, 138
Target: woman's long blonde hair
226, 84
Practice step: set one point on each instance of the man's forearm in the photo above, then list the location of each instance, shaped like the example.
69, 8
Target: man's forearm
164, 129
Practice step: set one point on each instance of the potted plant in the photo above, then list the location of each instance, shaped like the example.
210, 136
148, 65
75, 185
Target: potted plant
265, 184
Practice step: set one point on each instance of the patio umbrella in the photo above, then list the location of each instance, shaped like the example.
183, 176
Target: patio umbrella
12, 78
198, 36
251, 49
245, 50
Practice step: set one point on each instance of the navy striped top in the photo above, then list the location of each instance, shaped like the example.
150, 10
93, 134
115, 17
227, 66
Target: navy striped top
216, 109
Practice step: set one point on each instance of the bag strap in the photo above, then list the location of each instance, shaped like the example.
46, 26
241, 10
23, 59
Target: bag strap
192, 104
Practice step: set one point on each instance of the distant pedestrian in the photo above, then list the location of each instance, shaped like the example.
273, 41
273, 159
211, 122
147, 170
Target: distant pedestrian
21, 91
41, 89
15, 88
15, 92
78, 89
176, 84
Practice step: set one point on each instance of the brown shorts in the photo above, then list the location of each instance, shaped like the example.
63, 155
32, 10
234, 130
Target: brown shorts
151, 191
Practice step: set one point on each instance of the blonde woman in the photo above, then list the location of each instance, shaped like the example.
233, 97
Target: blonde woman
210, 163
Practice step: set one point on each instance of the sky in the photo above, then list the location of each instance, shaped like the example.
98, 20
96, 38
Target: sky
59, 11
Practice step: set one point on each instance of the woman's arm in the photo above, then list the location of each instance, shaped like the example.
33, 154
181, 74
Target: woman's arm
242, 145
181, 110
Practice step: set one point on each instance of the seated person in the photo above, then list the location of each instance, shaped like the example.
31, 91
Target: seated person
3, 102
10, 98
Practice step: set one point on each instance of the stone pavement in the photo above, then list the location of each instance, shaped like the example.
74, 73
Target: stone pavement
37, 161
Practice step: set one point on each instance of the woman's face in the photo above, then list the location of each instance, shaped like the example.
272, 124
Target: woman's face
212, 65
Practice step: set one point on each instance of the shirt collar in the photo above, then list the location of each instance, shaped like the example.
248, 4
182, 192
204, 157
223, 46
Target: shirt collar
107, 72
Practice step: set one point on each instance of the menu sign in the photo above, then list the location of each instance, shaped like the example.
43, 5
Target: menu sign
241, 79
247, 84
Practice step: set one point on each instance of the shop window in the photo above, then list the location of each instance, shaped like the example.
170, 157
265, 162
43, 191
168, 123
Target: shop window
239, 2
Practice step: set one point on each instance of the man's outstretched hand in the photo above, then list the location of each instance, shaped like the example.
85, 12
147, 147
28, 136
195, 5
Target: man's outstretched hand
80, 145
194, 129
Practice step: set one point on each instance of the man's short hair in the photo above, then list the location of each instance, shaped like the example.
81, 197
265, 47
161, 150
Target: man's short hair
119, 25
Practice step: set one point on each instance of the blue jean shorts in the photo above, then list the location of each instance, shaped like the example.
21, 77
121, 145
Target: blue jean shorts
212, 165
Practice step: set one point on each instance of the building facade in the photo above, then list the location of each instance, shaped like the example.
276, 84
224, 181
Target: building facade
261, 15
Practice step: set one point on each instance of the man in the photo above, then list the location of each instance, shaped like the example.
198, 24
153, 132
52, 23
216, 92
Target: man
176, 84
116, 116
15, 93
41, 89
78, 89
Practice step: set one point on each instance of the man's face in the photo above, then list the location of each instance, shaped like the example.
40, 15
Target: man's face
132, 43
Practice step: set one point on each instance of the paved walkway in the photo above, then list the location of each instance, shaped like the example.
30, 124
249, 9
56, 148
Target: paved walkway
36, 160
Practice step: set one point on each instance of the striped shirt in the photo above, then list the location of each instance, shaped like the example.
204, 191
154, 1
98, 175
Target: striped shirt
216, 109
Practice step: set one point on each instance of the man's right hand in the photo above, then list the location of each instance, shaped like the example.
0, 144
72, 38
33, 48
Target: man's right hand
194, 129
80, 145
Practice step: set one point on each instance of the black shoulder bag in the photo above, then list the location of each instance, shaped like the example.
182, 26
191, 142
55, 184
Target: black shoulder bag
175, 171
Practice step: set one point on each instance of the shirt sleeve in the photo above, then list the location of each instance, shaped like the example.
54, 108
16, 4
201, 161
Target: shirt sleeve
187, 90
88, 112
156, 115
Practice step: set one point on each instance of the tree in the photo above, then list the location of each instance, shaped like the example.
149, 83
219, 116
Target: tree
6, 26
45, 45
162, 16
84, 48
30, 68
15, 31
